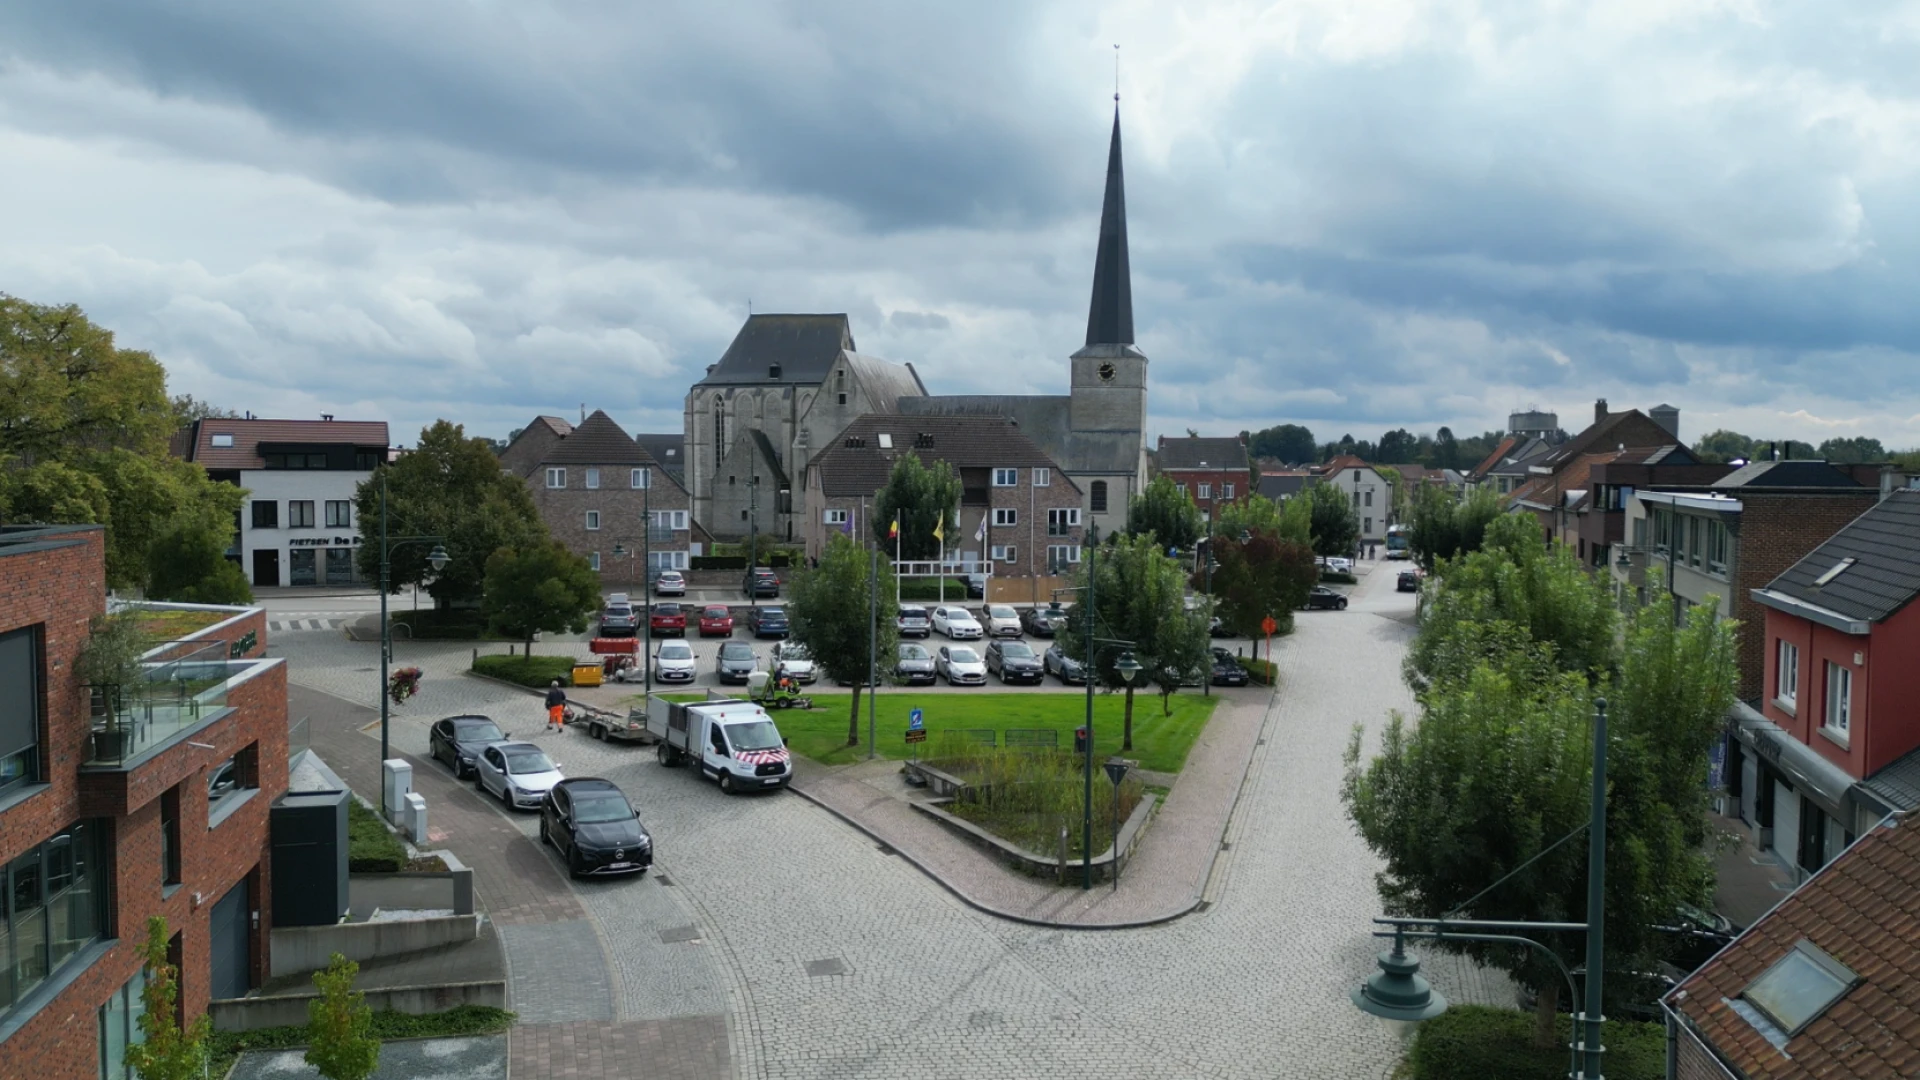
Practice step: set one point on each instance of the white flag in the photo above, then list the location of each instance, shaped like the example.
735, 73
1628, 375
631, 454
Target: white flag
980, 533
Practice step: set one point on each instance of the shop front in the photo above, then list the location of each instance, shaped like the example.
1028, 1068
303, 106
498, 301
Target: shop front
322, 560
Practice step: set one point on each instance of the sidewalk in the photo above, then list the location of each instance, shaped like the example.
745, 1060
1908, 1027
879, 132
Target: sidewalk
1747, 881
1164, 880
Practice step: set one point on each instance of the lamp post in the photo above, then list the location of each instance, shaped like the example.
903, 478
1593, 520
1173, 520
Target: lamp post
436, 558
1399, 994
1128, 668
1212, 564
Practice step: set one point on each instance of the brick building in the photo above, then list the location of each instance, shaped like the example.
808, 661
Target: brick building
101, 827
1211, 471
595, 487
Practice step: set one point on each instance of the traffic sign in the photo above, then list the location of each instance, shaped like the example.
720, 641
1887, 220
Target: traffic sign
1267, 624
915, 735
916, 720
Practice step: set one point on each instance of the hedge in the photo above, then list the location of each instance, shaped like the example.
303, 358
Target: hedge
1475, 1042
534, 671
452, 624
1261, 671
371, 848
1338, 577
717, 562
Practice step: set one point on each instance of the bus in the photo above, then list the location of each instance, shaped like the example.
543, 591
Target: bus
1399, 541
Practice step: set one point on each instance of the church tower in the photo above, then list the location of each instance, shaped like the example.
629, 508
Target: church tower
1109, 385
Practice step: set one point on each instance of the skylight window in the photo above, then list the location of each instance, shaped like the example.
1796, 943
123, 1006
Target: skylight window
1838, 569
223, 441
886, 441
1799, 987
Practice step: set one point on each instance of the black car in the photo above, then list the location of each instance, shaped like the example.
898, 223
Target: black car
913, 621
1063, 667
457, 740
1044, 621
1324, 598
1014, 661
1693, 936
1227, 670
914, 665
595, 828
977, 586
1409, 581
761, 582
767, 622
735, 662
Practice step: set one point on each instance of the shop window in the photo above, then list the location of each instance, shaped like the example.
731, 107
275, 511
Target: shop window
340, 569
302, 564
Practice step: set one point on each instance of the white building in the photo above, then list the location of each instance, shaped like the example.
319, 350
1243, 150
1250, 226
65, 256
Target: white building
297, 526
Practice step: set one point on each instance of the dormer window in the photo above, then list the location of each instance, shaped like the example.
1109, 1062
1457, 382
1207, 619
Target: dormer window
773, 371
223, 441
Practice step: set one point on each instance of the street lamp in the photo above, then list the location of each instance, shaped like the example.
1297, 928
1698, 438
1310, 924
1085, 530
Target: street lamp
1127, 668
1399, 994
436, 558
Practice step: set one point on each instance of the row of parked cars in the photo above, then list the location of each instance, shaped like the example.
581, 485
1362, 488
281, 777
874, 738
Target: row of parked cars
956, 623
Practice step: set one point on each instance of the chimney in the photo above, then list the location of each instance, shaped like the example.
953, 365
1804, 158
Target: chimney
1599, 410
326, 416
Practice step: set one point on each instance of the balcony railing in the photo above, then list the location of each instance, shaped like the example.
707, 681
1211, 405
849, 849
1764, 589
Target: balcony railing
178, 686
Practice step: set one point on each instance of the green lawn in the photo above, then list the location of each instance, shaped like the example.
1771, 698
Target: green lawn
1160, 742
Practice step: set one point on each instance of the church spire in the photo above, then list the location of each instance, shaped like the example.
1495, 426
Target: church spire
1110, 316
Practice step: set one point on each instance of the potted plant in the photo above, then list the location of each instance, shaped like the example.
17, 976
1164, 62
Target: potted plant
109, 662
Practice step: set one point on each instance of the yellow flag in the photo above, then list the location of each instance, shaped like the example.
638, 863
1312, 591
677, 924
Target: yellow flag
939, 530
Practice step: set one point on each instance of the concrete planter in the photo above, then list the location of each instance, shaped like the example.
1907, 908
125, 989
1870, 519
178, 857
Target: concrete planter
1043, 865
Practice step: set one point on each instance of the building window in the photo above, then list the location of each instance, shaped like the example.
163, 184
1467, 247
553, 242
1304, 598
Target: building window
556, 478
229, 782
667, 560
1369, 497
1006, 477
52, 895
593, 479
300, 513
266, 514
833, 517
1062, 555
1719, 542
1005, 515
668, 521
223, 441
20, 708
1181, 488
1786, 677
1005, 554
639, 479
593, 520
1063, 521
366, 461
593, 561
1206, 491
843, 398
1097, 497
1226, 491
1356, 500
1043, 478
719, 429
339, 514
1839, 717
120, 1027
170, 836
1367, 525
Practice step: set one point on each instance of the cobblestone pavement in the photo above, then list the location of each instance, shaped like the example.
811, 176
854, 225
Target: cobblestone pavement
831, 958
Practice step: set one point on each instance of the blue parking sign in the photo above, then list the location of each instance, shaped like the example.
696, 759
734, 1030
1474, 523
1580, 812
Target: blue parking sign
916, 720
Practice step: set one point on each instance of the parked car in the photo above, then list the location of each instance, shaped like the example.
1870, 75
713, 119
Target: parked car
1338, 565
766, 622
792, 660
1694, 935
1409, 581
1014, 661
1058, 664
1322, 598
673, 662
668, 619
977, 586
961, 666
956, 623
1044, 621
735, 663
913, 665
458, 740
595, 829
619, 599
1227, 670
518, 773
912, 621
670, 583
761, 581
1001, 620
716, 620
619, 621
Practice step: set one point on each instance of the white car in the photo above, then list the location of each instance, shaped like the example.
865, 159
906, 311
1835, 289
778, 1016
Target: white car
519, 773
956, 623
670, 583
673, 662
1002, 620
1339, 565
960, 666
790, 658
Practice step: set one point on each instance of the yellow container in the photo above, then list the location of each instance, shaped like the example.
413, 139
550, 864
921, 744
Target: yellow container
586, 674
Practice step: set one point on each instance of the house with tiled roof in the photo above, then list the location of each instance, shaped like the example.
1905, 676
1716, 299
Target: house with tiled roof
1018, 508
1279, 485
298, 527
598, 490
1371, 493
1823, 985
1212, 471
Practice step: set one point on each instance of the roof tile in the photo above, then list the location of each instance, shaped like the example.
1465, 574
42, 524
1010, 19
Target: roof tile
850, 471
197, 438
1884, 544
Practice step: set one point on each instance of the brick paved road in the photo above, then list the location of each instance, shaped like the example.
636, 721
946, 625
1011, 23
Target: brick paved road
830, 958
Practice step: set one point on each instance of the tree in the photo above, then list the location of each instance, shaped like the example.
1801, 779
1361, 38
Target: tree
167, 1051
1335, 526
1446, 527
832, 607
189, 564
1140, 596
1397, 447
1856, 450
186, 410
1721, 446
1167, 513
1290, 443
537, 586
920, 497
339, 1043
1266, 575
1446, 451
449, 486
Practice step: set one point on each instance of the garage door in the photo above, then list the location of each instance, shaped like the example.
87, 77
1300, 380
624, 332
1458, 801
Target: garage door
232, 946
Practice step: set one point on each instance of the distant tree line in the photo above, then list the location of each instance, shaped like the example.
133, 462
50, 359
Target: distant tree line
1719, 447
1294, 444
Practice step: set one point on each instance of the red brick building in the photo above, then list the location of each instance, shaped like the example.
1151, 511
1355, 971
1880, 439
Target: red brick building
163, 812
1213, 472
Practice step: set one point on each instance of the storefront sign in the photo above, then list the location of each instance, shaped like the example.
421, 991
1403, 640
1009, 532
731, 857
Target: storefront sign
321, 541
245, 645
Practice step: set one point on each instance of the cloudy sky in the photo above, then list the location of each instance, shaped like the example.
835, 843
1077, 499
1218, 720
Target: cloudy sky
1353, 214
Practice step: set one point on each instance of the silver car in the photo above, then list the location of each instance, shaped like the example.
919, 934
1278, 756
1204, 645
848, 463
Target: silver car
673, 662
792, 660
670, 583
518, 773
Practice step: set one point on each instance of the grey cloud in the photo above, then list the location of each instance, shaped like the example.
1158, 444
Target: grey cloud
918, 320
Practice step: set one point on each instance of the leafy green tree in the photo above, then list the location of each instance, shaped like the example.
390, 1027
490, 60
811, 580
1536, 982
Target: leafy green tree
340, 1043
1856, 450
1266, 575
1398, 447
537, 586
1446, 451
1334, 524
1166, 512
53, 493
448, 486
167, 1051
1140, 597
189, 564
1259, 514
920, 496
1721, 446
1446, 527
1290, 443
186, 409
832, 607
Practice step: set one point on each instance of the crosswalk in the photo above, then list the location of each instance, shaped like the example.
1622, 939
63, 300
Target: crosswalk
307, 621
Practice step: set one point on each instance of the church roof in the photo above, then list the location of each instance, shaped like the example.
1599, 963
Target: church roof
1110, 315
885, 380
1047, 420
802, 347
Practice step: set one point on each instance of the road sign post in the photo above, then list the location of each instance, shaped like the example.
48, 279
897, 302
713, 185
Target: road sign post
1268, 625
916, 731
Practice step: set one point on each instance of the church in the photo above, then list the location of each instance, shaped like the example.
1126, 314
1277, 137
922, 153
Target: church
789, 385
